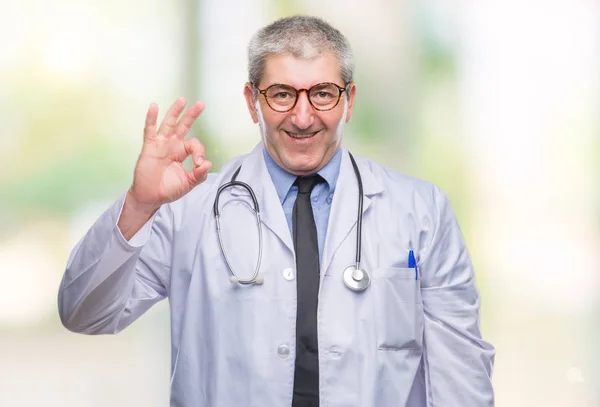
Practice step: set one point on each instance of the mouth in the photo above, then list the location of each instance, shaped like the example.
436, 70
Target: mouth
301, 135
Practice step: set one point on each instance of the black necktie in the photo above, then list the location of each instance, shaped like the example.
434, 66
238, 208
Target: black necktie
306, 373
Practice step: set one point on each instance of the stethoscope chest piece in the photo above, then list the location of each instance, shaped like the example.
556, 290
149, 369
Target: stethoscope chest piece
356, 279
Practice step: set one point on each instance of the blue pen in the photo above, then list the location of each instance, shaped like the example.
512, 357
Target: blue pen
412, 263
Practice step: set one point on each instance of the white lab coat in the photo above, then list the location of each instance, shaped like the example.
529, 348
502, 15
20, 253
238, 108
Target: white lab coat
402, 342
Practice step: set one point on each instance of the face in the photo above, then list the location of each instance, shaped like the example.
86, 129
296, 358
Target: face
304, 139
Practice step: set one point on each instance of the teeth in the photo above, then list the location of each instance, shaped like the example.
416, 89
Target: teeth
296, 135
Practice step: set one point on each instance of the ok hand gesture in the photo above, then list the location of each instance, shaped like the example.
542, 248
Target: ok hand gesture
159, 176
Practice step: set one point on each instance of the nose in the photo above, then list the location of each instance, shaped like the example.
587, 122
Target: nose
302, 114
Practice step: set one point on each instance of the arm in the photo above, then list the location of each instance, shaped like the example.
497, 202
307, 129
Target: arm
109, 281
122, 265
458, 362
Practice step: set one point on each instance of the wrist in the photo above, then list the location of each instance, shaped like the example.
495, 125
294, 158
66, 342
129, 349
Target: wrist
134, 215
137, 207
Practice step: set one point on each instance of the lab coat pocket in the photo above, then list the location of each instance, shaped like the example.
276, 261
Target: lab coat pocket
398, 308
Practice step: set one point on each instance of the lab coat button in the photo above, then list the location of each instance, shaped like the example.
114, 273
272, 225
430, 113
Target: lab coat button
335, 352
288, 274
283, 351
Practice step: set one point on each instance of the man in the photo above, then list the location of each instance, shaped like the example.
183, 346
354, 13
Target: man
277, 318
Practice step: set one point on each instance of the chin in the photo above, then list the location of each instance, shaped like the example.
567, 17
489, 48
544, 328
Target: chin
301, 168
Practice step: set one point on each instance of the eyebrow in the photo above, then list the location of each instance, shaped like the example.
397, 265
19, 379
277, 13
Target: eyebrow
291, 86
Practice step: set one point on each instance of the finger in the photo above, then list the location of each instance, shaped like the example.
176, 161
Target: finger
150, 126
185, 123
199, 174
170, 120
196, 149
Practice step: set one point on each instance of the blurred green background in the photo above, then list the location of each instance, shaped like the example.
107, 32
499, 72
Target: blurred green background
496, 102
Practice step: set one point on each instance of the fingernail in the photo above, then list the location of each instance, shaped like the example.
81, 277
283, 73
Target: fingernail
199, 161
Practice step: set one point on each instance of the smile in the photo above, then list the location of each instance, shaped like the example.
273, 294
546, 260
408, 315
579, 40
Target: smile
301, 135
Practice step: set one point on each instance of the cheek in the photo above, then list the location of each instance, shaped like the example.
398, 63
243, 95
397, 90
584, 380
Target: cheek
340, 119
335, 118
268, 121
271, 121
334, 124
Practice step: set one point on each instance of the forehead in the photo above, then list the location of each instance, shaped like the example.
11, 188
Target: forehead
300, 72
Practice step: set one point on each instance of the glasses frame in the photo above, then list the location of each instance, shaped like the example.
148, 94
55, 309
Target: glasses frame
298, 91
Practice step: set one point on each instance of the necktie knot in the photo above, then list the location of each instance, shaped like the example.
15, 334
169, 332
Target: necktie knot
307, 183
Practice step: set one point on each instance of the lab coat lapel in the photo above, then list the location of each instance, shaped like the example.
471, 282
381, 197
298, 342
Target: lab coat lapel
254, 173
344, 209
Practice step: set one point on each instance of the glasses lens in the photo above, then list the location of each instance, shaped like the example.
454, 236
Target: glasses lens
281, 97
324, 96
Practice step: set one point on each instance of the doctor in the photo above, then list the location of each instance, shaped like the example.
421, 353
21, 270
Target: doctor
354, 288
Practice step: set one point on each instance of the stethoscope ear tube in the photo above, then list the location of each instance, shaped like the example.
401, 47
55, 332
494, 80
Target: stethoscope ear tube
234, 278
359, 214
231, 184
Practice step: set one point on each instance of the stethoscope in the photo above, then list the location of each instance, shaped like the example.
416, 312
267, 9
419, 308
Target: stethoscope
354, 277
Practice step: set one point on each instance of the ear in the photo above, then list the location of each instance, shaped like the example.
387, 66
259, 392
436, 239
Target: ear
352, 92
250, 102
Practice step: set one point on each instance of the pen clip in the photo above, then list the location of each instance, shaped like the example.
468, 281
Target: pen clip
412, 263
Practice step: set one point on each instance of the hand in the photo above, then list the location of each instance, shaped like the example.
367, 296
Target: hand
159, 175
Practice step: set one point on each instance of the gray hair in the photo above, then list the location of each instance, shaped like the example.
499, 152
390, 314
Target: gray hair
302, 37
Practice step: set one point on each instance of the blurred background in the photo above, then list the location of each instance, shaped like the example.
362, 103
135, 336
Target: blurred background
495, 101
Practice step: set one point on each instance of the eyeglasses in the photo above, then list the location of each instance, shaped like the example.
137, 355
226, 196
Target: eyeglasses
322, 96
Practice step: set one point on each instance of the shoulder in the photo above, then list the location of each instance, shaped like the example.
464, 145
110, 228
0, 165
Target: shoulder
407, 199
398, 186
